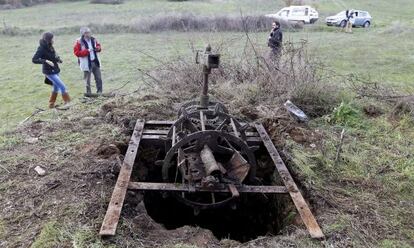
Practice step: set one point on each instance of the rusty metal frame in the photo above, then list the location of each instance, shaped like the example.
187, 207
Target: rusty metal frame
123, 182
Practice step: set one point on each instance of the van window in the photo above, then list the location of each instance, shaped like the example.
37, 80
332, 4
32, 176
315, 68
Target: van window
284, 13
363, 14
298, 12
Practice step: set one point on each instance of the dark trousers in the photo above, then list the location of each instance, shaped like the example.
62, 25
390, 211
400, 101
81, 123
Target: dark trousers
96, 71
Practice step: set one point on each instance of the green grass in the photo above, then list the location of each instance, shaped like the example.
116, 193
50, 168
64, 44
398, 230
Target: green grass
85, 237
81, 13
21, 82
382, 11
22, 87
374, 172
2, 228
376, 151
384, 57
78, 13
48, 237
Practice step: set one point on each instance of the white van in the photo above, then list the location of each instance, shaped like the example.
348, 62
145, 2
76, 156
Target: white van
305, 14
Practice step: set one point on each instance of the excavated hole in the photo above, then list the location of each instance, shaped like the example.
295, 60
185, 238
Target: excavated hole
256, 214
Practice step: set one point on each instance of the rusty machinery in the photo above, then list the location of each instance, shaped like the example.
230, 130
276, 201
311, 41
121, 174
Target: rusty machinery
209, 158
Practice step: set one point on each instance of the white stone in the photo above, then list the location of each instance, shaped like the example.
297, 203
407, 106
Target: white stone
31, 140
40, 171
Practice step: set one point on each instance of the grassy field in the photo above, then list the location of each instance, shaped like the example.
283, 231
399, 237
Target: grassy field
22, 87
380, 53
80, 13
376, 171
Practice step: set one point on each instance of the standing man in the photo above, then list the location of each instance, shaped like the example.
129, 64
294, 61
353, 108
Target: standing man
275, 41
349, 20
86, 49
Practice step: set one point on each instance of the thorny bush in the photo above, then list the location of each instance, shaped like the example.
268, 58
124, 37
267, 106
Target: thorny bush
255, 80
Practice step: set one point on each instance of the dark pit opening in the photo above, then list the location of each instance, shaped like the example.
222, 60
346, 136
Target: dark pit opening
255, 214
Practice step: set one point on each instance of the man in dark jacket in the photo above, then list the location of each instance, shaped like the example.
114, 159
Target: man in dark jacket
275, 40
349, 20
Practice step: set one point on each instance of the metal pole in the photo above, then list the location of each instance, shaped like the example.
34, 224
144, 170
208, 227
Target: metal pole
204, 99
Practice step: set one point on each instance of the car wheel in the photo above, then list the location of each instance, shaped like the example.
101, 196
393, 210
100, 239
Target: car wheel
367, 24
342, 24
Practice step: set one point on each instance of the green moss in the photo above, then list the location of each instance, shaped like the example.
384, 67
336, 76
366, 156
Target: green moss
7, 142
2, 229
340, 224
48, 237
87, 238
388, 243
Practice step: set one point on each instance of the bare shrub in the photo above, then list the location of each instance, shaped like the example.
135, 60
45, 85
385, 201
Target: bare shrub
255, 81
173, 22
191, 22
10, 4
293, 2
107, 1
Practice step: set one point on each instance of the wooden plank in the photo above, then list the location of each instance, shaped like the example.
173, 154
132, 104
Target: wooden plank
145, 186
156, 122
113, 212
168, 123
155, 131
159, 134
300, 203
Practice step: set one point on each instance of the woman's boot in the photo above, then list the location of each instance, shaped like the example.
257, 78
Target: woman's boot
66, 98
52, 99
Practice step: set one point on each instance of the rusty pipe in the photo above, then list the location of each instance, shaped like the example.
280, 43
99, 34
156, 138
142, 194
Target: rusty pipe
210, 164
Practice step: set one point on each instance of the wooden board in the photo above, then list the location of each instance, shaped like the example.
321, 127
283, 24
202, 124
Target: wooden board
300, 203
113, 212
188, 188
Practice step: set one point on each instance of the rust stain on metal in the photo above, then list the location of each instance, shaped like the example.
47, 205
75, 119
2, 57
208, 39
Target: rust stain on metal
239, 167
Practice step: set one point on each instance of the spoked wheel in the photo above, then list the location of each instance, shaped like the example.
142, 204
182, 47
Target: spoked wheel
222, 144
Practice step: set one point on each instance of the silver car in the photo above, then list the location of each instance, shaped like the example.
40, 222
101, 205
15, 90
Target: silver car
360, 19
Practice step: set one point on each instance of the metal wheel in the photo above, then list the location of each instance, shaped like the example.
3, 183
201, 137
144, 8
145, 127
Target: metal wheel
218, 141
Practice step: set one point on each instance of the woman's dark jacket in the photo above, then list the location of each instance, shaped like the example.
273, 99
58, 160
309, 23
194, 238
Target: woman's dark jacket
43, 53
